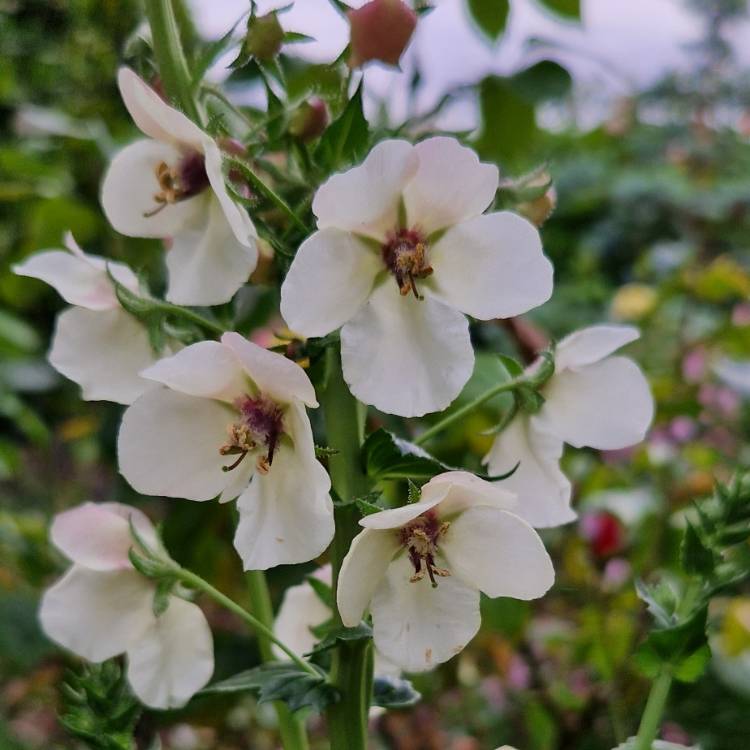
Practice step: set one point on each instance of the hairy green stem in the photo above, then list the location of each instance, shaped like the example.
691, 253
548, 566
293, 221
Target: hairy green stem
188, 314
173, 67
350, 667
459, 414
652, 714
291, 726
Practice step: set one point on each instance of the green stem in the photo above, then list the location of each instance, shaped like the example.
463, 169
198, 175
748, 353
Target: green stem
291, 727
188, 314
350, 673
196, 582
173, 67
459, 414
652, 714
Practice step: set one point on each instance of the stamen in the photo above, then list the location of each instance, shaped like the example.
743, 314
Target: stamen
186, 179
405, 255
420, 538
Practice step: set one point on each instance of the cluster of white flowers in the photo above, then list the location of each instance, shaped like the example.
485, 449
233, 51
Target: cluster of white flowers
403, 253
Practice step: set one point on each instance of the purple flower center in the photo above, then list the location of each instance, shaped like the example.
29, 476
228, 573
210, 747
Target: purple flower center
405, 254
420, 538
177, 183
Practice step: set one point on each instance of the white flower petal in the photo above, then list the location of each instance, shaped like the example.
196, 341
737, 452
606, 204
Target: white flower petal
362, 570
450, 185
97, 535
130, 185
491, 266
416, 626
592, 344
97, 614
240, 223
301, 609
286, 515
207, 369
329, 280
275, 375
174, 658
103, 351
464, 490
153, 115
405, 356
206, 262
606, 405
365, 199
79, 279
395, 518
543, 491
169, 445
498, 553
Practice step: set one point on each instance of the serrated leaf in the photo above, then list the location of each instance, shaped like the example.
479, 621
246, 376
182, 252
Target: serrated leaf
490, 16
695, 557
394, 692
281, 681
660, 600
343, 635
346, 138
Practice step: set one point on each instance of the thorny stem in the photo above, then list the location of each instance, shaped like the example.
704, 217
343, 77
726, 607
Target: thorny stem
459, 414
350, 668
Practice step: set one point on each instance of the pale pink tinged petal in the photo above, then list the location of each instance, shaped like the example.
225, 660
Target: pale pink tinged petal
405, 356
607, 405
450, 185
395, 518
592, 344
169, 445
301, 609
362, 571
328, 282
416, 626
543, 491
97, 535
498, 553
365, 199
174, 658
153, 116
240, 223
206, 263
97, 614
130, 185
491, 266
286, 515
275, 375
77, 280
461, 490
206, 369
103, 351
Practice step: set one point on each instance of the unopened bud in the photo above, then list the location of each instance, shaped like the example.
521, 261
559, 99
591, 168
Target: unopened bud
264, 36
380, 30
309, 120
537, 211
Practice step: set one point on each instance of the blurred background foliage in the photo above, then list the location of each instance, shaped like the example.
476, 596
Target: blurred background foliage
647, 220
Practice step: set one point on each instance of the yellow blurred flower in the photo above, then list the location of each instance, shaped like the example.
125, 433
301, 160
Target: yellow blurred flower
633, 302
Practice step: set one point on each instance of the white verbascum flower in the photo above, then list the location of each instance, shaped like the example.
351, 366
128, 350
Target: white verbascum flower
302, 610
229, 419
96, 343
593, 399
171, 185
402, 254
103, 607
461, 531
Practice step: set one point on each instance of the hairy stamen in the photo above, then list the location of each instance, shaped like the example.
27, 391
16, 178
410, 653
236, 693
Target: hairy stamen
406, 256
420, 537
176, 183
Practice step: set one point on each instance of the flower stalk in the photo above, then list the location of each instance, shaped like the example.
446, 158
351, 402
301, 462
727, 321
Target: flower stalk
652, 714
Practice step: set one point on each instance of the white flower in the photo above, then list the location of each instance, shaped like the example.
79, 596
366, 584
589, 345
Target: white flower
302, 610
402, 252
96, 343
593, 399
103, 607
420, 568
230, 420
171, 185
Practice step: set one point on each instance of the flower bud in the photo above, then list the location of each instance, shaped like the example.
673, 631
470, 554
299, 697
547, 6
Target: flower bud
264, 36
604, 533
309, 120
380, 30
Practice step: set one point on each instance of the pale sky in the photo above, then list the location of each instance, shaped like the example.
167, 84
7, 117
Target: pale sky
620, 45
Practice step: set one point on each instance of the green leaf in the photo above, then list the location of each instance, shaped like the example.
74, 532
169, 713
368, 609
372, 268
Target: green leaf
490, 15
660, 600
281, 681
322, 589
342, 635
695, 557
394, 692
566, 8
543, 81
415, 493
346, 138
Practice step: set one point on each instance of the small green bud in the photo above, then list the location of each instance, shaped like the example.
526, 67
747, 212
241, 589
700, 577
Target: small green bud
264, 37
